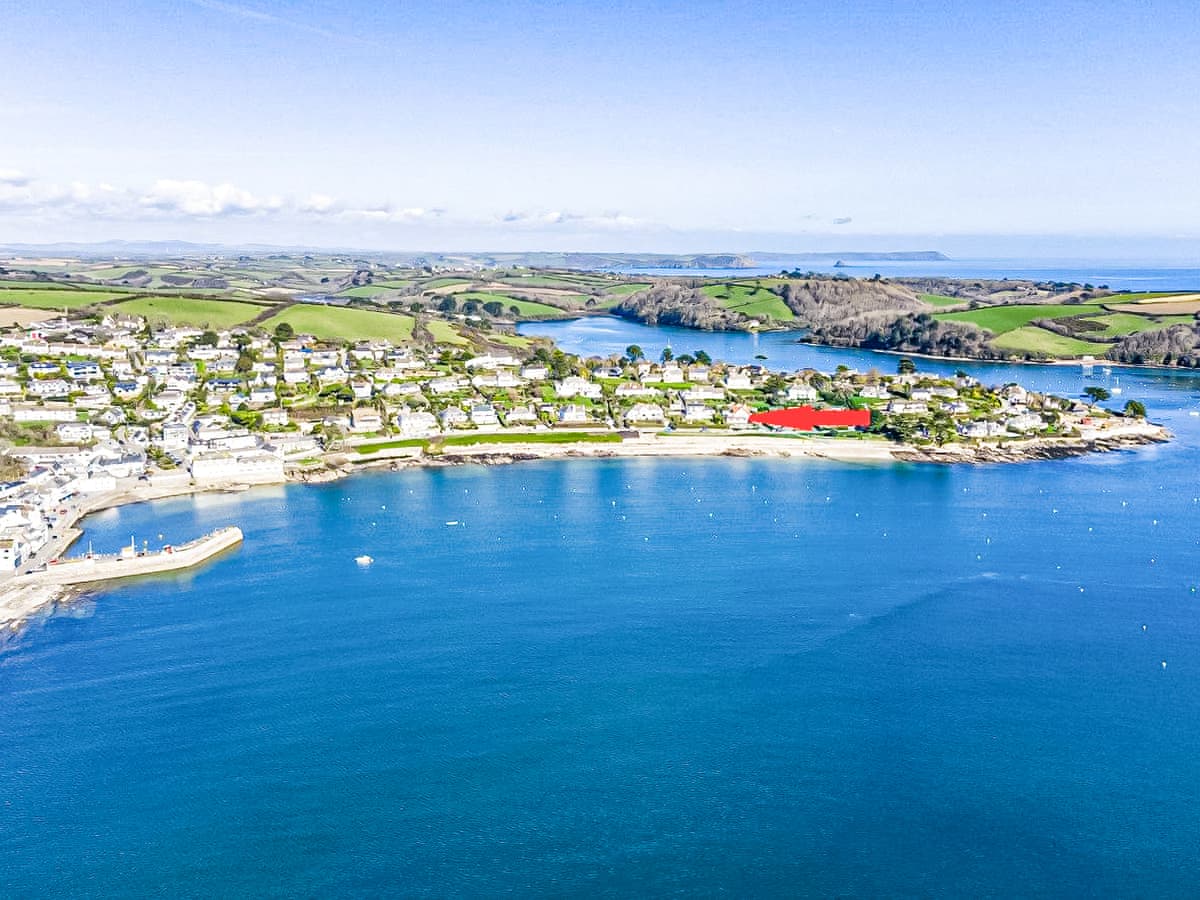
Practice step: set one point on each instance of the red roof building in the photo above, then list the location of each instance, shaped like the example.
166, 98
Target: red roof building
805, 418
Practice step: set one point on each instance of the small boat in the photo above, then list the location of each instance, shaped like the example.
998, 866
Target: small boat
454, 522
363, 560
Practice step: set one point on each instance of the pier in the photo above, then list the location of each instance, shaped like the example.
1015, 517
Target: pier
84, 569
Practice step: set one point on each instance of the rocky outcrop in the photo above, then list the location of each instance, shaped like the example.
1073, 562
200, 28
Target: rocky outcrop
673, 304
1036, 449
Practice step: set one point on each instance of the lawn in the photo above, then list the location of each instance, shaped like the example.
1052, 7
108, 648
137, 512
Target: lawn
1039, 341
55, 298
1121, 324
749, 300
1001, 319
527, 308
339, 323
445, 333
942, 300
190, 311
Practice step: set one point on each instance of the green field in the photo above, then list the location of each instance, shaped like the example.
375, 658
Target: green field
55, 298
339, 323
1039, 341
624, 290
1121, 324
445, 333
1001, 319
527, 308
1139, 296
436, 283
546, 281
942, 300
511, 340
750, 300
365, 291
58, 286
190, 311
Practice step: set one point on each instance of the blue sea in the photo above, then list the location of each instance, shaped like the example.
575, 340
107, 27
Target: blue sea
637, 677
1132, 275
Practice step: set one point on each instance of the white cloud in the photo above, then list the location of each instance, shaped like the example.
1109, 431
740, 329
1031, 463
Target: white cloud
25, 199
540, 219
13, 178
318, 203
196, 198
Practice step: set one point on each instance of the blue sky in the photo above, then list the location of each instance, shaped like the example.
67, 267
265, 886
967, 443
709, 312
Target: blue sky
619, 126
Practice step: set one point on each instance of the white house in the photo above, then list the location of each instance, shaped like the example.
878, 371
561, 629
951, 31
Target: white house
245, 466
520, 415
416, 424
365, 419
645, 413
572, 414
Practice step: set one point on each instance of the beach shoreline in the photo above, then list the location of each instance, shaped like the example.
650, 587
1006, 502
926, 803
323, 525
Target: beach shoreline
22, 600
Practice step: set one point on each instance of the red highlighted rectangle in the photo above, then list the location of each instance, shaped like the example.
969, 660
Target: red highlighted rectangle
805, 418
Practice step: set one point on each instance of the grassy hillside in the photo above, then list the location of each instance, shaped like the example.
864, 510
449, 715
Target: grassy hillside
941, 300
1121, 324
527, 307
1039, 341
344, 324
191, 311
1002, 319
42, 298
445, 333
750, 300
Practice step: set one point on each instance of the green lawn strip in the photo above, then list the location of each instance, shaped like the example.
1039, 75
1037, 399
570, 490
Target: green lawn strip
191, 311
366, 449
1031, 339
1121, 324
1000, 319
341, 323
55, 299
472, 440
942, 300
526, 307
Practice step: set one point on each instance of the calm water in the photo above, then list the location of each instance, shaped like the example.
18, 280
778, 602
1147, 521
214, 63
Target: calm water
636, 677
1130, 276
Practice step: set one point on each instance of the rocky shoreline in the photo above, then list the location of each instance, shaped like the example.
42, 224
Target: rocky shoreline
1041, 449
